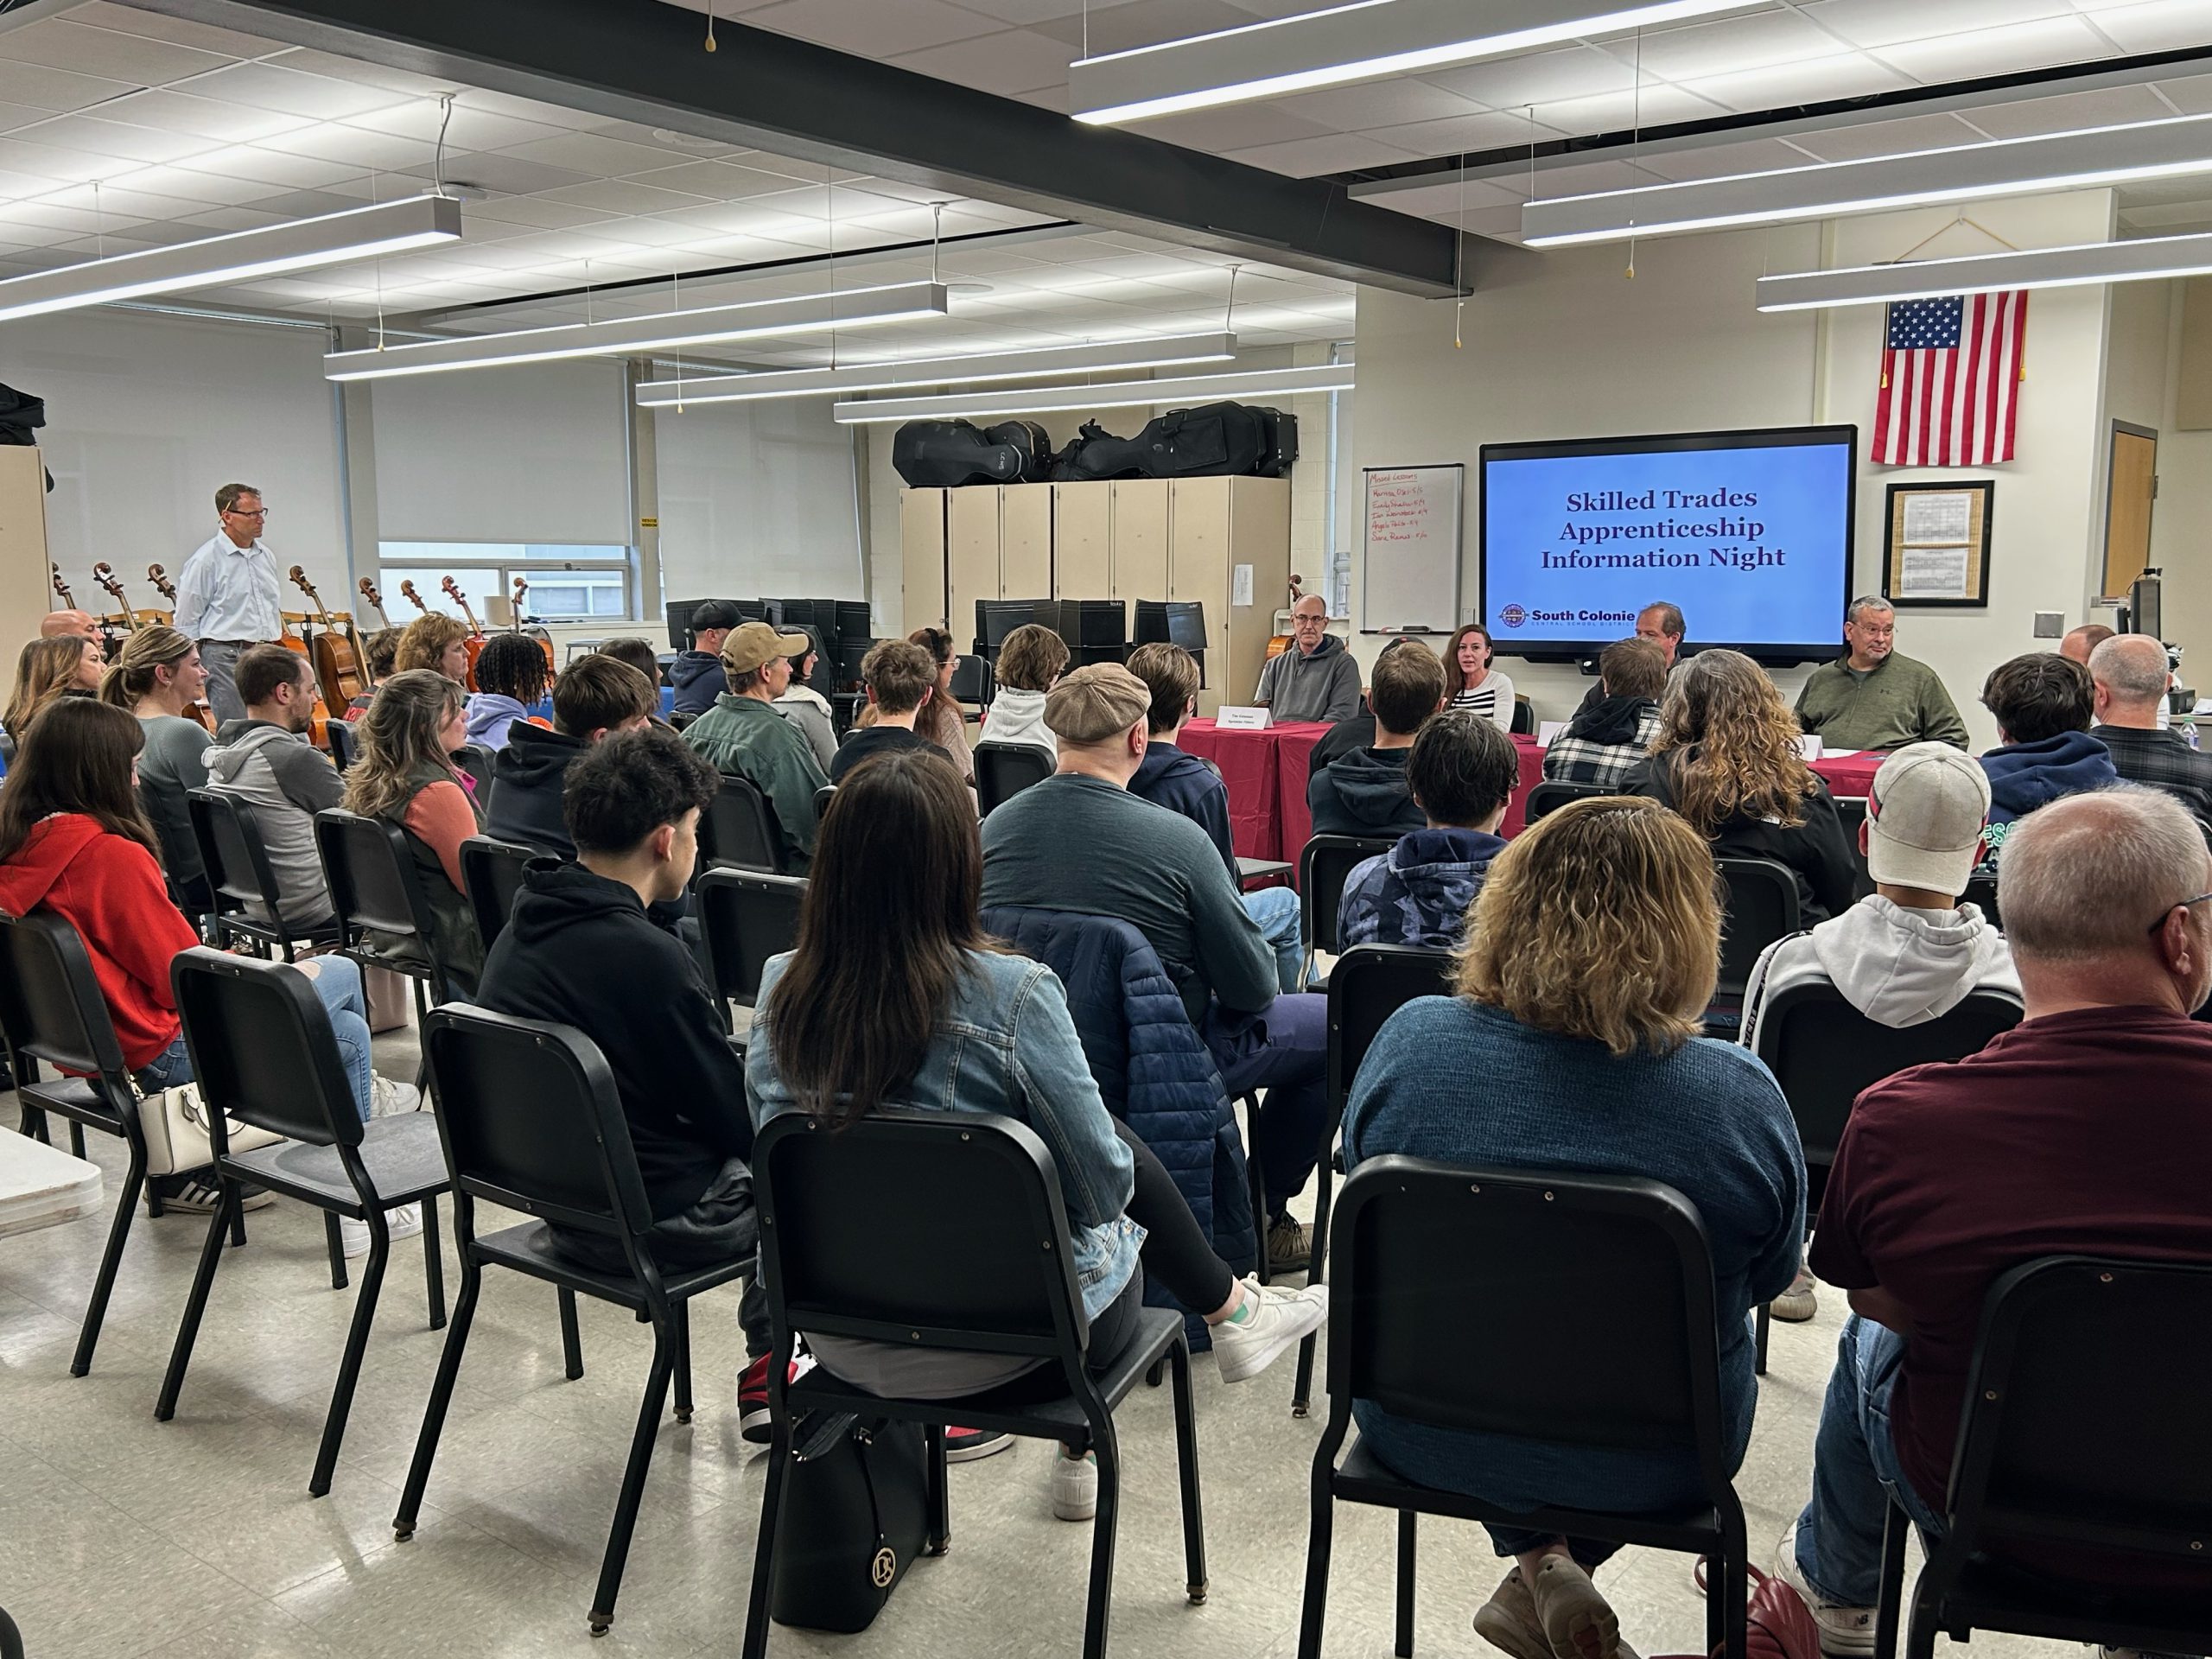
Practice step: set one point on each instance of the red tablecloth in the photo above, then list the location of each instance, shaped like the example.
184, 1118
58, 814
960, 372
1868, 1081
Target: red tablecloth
1267, 772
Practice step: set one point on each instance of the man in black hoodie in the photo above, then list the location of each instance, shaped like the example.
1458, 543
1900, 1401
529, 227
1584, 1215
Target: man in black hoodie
1364, 793
594, 697
696, 675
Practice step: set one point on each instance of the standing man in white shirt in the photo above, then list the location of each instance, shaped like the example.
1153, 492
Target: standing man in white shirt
228, 596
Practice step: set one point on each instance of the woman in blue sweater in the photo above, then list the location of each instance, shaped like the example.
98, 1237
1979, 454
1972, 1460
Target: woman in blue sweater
1592, 950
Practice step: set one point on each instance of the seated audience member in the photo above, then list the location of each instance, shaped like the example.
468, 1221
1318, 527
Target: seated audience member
1469, 683
941, 719
1461, 771
1364, 793
2129, 675
1660, 623
1030, 660
1183, 783
436, 642
640, 654
49, 668
742, 733
379, 651
1871, 697
2042, 702
2081, 643
156, 676
696, 674
892, 981
1948, 1176
594, 697
62, 625
1315, 677
583, 949
1591, 954
283, 781
1079, 841
74, 843
511, 674
1355, 731
1728, 760
1608, 739
404, 775
901, 681
809, 710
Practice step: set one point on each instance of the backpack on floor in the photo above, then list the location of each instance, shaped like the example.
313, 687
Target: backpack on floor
854, 1516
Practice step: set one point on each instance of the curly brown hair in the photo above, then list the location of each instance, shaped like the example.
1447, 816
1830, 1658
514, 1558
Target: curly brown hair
1737, 744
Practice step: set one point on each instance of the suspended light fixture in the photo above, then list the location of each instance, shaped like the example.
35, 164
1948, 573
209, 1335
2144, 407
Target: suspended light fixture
1120, 394
1366, 41
938, 371
664, 331
242, 256
2084, 265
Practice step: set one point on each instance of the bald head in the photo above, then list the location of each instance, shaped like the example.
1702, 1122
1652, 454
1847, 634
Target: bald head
2080, 642
1309, 621
57, 624
2129, 672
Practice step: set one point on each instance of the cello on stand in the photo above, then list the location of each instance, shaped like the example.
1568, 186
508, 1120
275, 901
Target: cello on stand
475, 640
545, 640
134, 619
337, 663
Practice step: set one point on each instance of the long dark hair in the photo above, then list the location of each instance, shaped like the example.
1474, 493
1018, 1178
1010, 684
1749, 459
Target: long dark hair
75, 758
889, 919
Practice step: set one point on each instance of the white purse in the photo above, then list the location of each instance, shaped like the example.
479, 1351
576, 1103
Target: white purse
174, 1122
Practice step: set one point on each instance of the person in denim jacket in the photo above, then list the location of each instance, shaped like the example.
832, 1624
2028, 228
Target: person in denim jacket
895, 996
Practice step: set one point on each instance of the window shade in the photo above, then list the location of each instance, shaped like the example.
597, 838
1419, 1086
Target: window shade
757, 500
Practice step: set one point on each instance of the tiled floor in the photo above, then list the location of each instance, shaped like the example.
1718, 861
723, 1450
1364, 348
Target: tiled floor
196, 1538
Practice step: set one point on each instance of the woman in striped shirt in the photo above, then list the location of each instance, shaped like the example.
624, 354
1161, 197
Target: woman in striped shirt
1471, 682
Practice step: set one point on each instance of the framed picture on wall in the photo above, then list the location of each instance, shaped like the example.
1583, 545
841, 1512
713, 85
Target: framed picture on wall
1937, 548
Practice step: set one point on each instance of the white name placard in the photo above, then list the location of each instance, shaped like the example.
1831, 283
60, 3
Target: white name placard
1230, 718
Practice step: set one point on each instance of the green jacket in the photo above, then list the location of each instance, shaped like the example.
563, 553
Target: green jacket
747, 738
1901, 702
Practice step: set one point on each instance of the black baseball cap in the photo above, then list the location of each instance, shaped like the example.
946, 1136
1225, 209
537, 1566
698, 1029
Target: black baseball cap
714, 613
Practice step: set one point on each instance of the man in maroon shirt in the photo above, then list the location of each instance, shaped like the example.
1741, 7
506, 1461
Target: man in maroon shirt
2085, 1129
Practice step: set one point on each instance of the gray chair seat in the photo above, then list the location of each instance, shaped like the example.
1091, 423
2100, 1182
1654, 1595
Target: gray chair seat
401, 1155
530, 1248
74, 1098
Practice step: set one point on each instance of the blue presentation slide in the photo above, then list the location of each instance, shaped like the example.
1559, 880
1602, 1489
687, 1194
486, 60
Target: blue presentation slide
1752, 543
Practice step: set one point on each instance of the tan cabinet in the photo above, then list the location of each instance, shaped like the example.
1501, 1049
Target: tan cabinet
1025, 542
921, 559
1140, 538
971, 530
1228, 540
1082, 541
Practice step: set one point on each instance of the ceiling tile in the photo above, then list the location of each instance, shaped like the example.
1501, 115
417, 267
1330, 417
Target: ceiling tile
1759, 156
1733, 44
1025, 11
271, 167
1493, 129
870, 30
360, 73
421, 118
375, 151
1013, 61
1811, 80
1237, 127
186, 185
2110, 107
2033, 45
1618, 111
153, 26
57, 43
100, 137
64, 165
2159, 26
174, 110
2191, 95
501, 173
588, 153
56, 89
1333, 152
1539, 77
1376, 104
1146, 22
715, 181
1885, 22
267, 86
1898, 137
621, 196
537, 212
306, 204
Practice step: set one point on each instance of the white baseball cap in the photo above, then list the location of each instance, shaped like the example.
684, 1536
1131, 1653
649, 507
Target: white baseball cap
1924, 818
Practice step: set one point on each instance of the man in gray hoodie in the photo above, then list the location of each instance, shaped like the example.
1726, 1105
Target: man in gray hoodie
1316, 679
266, 760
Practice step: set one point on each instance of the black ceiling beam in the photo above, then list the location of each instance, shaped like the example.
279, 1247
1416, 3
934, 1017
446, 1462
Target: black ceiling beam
642, 61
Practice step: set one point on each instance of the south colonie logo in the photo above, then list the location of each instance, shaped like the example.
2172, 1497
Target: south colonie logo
1513, 616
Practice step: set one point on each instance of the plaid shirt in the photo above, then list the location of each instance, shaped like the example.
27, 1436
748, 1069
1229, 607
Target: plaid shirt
2164, 761
1578, 760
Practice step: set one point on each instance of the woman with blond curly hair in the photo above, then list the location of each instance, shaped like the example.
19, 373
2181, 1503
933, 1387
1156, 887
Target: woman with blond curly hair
1727, 759
1572, 1045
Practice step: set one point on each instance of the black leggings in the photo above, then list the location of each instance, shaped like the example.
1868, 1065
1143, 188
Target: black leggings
1175, 1252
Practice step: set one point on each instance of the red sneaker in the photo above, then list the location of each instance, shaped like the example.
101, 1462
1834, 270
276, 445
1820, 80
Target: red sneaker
966, 1445
752, 1396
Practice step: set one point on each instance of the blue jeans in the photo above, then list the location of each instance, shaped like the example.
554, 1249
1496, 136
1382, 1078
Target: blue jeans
1855, 1471
1275, 909
1286, 1053
337, 981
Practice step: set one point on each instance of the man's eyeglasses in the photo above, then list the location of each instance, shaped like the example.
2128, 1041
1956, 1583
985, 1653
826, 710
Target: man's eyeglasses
2179, 904
240, 512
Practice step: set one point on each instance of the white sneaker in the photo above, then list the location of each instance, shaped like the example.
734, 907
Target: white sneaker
403, 1221
1843, 1629
389, 1099
1278, 1319
1075, 1485
1798, 1303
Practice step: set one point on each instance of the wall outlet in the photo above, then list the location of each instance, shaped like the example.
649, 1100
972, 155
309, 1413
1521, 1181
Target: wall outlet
2050, 625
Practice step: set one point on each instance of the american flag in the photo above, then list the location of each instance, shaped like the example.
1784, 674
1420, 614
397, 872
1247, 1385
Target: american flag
1951, 371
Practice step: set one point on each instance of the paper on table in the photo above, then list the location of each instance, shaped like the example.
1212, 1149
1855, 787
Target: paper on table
1934, 517
1548, 732
1933, 573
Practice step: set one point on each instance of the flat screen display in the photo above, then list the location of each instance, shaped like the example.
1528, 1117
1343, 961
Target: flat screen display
1748, 532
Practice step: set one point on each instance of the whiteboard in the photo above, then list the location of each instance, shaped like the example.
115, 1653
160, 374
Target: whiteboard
1412, 518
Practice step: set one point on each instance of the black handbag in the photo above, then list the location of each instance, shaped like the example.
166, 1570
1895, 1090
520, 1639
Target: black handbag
854, 1516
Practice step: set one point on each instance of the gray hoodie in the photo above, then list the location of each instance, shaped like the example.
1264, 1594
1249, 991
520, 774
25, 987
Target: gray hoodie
1018, 716
285, 781
1325, 686
1896, 966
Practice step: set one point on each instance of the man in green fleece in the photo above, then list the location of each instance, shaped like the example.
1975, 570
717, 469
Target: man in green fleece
1872, 698
744, 736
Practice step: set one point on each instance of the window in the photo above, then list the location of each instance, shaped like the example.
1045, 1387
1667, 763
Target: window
565, 583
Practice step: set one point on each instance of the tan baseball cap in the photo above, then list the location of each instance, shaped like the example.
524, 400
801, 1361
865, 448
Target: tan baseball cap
1924, 818
1096, 703
752, 643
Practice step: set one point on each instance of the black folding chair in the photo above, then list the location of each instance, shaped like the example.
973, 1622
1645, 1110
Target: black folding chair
239, 870
1824, 1052
739, 829
747, 916
264, 1054
491, 872
972, 685
531, 1121
476, 760
1371, 983
1524, 717
1981, 892
998, 1278
1434, 1316
2084, 1436
1553, 793
376, 891
822, 797
1004, 770
1760, 907
1324, 865
51, 1009
345, 742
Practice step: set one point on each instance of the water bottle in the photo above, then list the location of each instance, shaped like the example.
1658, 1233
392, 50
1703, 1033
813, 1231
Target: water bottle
2189, 732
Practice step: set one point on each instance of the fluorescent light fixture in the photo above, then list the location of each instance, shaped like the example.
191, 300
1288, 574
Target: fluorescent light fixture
2084, 265
328, 239
1366, 41
2057, 161
664, 331
938, 371
1119, 394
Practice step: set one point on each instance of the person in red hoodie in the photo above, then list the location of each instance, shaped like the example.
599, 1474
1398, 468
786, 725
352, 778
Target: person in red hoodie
74, 843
